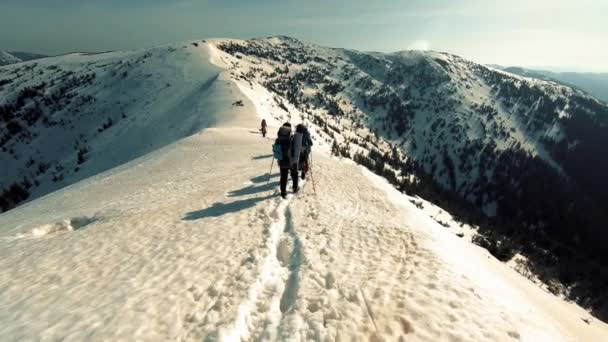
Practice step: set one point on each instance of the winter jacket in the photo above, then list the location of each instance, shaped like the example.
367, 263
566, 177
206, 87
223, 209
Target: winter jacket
306, 142
284, 139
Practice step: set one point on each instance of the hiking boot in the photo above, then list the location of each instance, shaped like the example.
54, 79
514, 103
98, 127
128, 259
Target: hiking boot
303, 175
295, 190
284, 195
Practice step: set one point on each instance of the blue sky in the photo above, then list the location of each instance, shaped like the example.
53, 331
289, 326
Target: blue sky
562, 34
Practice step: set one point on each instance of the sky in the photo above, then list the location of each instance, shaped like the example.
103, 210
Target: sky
561, 35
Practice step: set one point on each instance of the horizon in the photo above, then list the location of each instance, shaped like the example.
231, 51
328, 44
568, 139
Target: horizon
550, 35
544, 68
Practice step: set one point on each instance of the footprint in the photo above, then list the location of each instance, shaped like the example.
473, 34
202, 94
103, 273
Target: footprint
330, 281
454, 304
314, 306
284, 251
406, 326
215, 289
514, 334
194, 317
248, 260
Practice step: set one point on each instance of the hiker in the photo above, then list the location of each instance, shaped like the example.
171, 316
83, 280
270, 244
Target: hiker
263, 129
282, 150
306, 148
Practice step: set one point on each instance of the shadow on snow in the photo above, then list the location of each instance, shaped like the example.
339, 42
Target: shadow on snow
264, 156
264, 178
219, 209
250, 190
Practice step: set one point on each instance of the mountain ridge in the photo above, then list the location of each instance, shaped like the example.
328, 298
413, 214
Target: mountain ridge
11, 57
483, 142
191, 241
452, 130
595, 84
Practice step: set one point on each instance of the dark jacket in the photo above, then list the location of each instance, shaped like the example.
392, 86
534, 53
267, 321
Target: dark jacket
306, 140
284, 139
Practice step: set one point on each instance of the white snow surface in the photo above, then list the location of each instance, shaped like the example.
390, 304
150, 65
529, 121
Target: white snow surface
7, 58
191, 242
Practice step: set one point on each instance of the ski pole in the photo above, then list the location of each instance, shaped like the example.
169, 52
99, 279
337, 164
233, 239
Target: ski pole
312, 178
270, 172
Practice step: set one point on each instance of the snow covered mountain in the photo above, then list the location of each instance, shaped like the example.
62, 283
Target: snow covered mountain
481, 142
17, 57
7, 58
70, 117
179, 233
485, 143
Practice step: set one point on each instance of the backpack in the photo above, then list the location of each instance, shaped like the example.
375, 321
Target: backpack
297, 149
306, 140
277, 152
281, 147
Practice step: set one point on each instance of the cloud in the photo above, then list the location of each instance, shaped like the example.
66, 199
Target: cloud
420, 45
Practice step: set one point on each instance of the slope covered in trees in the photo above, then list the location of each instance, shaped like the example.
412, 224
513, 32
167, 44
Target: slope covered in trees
523, 158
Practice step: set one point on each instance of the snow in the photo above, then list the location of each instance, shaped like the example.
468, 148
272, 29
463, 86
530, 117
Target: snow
520, 309
190, 241
168, 93
7, 58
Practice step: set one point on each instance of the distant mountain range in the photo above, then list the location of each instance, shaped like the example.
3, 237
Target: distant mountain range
596, 84
12, 57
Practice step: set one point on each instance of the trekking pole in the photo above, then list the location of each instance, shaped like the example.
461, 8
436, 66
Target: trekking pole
270, 172
312, 178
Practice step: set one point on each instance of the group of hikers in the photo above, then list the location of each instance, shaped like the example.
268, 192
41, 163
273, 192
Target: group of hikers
292, 152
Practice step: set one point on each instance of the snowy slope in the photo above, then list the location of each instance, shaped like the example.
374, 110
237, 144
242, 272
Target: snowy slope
7, 58
11, 57
71, 117
191, 242
489, 145
464, 125
425, 104
482, 143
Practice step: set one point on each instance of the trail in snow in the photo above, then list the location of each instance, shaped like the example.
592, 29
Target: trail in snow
293, 261
274, 291
189, 252
377, 268
355, 257
257, 315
